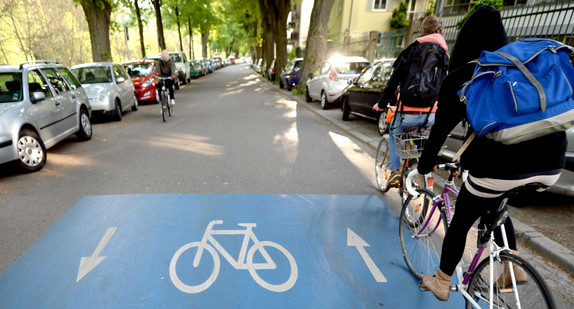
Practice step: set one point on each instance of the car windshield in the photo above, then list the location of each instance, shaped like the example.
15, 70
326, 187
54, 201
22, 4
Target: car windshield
93, 75
351, 67
10, 87
176, 58
139, 69
298, 64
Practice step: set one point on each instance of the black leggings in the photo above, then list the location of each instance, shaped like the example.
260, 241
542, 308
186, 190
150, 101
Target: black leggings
469, 208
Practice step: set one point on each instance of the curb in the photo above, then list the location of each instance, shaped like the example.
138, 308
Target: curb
555, 252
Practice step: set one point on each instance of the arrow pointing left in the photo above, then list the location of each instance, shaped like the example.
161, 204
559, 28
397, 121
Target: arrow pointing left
89, 263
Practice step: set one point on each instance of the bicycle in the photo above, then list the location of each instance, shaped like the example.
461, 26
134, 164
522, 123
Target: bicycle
409, 146
420, 228
244, 260
166, 107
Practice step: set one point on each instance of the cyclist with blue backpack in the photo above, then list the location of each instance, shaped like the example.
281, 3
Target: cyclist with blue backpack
417, 73
494, 167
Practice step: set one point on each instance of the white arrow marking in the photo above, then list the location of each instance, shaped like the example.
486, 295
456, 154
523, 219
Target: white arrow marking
353, 240
89, 263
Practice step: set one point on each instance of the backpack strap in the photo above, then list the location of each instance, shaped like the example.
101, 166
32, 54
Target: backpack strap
530, 77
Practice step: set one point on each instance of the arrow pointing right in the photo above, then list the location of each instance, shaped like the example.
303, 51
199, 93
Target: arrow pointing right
89, 263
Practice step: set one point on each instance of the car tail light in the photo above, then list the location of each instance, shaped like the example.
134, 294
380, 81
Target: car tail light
292, 75
333, 75
272, 69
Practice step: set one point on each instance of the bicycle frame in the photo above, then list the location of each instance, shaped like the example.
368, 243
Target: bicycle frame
240, 262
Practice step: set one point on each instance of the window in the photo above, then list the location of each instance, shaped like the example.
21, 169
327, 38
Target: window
70, 78
37, 83
10, 87
367, 75
56, 80
139, 69
93, 75
379, 5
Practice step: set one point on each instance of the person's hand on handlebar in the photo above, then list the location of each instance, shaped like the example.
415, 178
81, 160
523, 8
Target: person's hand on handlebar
376, 108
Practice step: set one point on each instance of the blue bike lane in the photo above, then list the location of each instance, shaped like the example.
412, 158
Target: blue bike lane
262, 251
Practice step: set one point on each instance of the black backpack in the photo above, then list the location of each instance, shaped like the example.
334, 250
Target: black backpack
427, 65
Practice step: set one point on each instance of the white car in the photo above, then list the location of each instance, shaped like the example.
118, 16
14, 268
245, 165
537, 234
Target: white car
109, 87
41, 104
329, 79
181, 66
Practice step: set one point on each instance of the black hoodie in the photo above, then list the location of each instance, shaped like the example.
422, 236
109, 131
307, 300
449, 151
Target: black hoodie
484, 157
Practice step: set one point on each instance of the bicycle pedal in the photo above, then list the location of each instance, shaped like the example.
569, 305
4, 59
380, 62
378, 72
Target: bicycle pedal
422, 287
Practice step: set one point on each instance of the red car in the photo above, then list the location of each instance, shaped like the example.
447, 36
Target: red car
143, 76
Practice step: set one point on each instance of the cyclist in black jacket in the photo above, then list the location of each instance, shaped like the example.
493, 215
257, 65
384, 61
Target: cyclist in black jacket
494, 168
166, 68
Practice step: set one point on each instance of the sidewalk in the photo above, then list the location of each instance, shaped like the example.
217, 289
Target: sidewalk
558, 254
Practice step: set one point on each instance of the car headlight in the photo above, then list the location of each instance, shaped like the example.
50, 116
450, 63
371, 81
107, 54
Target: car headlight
102, 95
146, 84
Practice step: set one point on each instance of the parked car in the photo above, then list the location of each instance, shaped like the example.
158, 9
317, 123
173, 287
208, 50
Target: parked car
291, 74
41, 104
197, 69
365, 90
181, 66
257, 66
329, 79
271, 70
109, 87
208, 65
143, 75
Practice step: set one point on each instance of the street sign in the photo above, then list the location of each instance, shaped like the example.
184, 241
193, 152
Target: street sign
221, 251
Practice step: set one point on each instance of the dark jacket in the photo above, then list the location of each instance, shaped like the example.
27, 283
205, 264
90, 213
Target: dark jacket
485, 157
165, 68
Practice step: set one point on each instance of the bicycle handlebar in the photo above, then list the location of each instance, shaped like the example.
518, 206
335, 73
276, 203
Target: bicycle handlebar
409, 183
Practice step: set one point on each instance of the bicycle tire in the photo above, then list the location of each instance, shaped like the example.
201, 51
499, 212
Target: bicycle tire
169, 109
422, 252
163, 105
289, 283
193, 289
383, 164
533, 293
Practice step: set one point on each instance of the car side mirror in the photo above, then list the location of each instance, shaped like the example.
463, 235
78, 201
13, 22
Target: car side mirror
38, 96
121, 80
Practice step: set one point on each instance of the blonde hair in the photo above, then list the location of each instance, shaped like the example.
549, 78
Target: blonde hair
431, 24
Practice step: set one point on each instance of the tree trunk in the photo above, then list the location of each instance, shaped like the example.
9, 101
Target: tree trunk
204, 41
178, 28
267, 19
160, 37
191, 47
317, 38
140, 27
99, 26
281, 10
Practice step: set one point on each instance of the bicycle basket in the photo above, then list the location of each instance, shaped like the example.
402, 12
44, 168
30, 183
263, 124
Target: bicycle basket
410, 144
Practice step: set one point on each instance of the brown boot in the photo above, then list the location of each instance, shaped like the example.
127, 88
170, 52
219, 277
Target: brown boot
505, 280
439, 284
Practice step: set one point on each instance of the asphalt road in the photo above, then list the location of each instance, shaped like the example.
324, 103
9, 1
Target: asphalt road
231, 133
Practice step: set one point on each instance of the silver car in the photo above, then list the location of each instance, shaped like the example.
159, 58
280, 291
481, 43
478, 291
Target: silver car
109, 87
329, 79
41, 104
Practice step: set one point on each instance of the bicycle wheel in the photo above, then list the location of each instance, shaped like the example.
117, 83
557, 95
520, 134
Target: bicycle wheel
170, 109
421, 232
190, 288
383, 164
531, 289
293, 274
163, 106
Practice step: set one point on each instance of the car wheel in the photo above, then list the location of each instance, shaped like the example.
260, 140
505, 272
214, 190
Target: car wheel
117, 111
307, 96
176, 84
85, 131
281, 84
31, 151
136, 105
383, 125
346, 108
289, 87
324, 102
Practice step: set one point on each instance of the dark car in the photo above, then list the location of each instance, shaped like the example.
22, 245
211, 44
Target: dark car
271, 71
143, 76
365, 90
291, 74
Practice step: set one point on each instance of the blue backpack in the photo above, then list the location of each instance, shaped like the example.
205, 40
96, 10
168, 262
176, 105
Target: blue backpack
522, 91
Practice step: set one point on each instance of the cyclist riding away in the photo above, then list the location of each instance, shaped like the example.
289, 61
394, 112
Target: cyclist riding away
415, 68
494, 168
166, 68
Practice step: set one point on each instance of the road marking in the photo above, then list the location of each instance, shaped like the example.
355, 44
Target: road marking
353, 240
89, 263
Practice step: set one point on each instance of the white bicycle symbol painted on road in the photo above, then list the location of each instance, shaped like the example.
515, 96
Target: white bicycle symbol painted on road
244, 261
